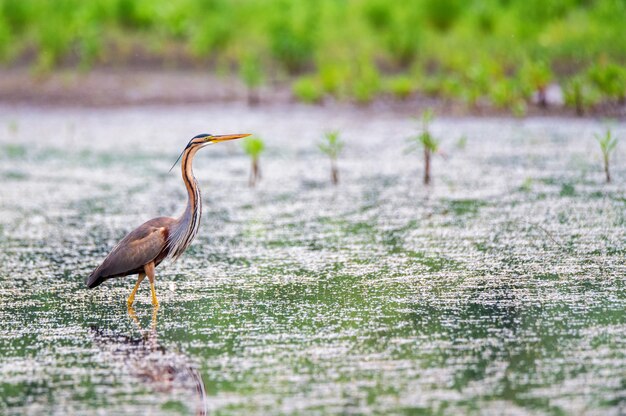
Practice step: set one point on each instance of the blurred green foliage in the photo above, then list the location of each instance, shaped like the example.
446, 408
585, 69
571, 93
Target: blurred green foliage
610, 79
580, 94
608, 143
308, 90
501, 52
332, 145
424, 139
253, 146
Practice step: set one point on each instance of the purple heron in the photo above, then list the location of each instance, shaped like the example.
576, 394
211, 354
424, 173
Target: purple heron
148, 245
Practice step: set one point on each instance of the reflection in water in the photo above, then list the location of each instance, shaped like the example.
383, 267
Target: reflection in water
161, 370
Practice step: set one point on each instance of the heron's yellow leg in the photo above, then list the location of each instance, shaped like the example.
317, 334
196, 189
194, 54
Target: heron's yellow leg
131, 298
149, 268
155, 301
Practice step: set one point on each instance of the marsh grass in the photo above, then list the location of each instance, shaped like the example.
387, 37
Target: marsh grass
580, 94
400, 86
537, 75
610, 79
607, 143
426, 141
332, 147
344, 49
308, 90
254, 146
251, 72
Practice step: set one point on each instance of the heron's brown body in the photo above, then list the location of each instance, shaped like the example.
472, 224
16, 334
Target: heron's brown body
152, 242
146, 244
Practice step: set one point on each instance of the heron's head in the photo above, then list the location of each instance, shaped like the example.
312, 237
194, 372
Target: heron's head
198, 142
204, 139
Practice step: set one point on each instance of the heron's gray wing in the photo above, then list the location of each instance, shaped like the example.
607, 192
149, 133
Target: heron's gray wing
139, 247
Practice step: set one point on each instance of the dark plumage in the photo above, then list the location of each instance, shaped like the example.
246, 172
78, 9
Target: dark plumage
143, 245
201, 136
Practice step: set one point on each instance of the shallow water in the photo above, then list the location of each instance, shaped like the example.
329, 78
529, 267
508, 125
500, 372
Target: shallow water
499, 289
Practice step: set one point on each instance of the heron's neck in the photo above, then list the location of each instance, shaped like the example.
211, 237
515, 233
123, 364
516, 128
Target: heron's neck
186, 226
194, 202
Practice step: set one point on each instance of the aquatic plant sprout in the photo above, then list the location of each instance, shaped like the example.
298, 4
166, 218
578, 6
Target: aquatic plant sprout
426, 141
254, 146
332, 147
607, 142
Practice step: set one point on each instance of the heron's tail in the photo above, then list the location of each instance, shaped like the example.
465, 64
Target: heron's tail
94, 279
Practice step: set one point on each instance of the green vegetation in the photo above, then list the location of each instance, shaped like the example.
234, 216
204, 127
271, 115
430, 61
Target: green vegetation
610, 79
498, 53
307, 90
401, 86
580, 94
427, 142
608, 142
251, 72
254, 146
14, 151
567, 190
537, 76
331, 147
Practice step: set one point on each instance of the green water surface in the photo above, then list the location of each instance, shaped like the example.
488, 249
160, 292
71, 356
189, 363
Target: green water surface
499, 289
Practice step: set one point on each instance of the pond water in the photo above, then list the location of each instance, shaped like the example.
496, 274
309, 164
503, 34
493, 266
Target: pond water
498, 289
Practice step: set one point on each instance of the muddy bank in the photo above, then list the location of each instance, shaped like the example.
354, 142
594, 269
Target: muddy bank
124, 87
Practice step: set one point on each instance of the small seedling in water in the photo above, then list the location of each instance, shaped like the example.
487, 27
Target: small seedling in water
608, 142
425, 140
332, 147
254, 146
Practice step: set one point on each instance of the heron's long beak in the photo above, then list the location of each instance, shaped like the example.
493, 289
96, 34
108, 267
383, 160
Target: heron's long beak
226, 137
